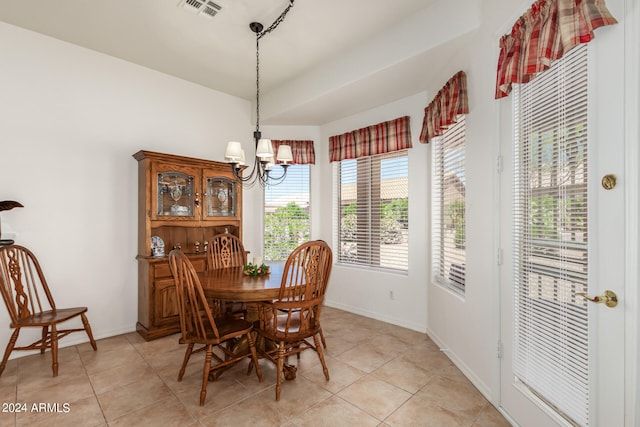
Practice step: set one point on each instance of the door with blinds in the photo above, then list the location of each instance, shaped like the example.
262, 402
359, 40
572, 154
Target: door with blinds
563, 237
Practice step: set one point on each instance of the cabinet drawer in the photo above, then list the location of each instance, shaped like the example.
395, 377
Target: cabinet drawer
163, 269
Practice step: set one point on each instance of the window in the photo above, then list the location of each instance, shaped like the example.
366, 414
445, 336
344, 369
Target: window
550, 230
287, 222
373, 206
449, 183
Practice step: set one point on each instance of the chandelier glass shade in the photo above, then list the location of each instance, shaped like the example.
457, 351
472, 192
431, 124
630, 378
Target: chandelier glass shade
262, 169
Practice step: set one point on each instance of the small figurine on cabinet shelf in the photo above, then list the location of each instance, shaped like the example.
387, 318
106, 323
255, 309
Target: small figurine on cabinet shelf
256, 270
157, 246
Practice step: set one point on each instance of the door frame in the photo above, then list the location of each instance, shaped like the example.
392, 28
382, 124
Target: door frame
632, 210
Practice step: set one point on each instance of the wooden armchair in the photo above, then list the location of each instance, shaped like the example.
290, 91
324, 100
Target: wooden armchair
227, 250
198, 325
294, 317
31, 305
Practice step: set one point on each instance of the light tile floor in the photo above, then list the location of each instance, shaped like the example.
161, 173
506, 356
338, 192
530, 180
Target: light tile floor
381, 375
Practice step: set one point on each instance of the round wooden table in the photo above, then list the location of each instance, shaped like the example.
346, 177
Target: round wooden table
231, 284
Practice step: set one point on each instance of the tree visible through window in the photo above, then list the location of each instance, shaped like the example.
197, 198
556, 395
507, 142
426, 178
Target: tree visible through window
287, 221
373, 203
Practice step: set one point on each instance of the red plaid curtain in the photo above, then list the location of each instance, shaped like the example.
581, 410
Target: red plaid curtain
303, 152
443, 110
385, 137
543, 34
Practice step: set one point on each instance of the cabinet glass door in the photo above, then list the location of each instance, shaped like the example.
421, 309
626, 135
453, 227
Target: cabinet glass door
221, 197
175, 194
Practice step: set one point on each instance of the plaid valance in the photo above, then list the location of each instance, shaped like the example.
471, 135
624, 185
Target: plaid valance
543, 34
443, 110
303, 152
385, 137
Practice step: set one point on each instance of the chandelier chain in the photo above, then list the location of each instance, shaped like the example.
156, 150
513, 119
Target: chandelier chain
261, 170
259, 35
278, 21
258, 83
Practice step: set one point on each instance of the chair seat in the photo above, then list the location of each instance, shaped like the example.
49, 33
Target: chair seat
50, 317
293, 326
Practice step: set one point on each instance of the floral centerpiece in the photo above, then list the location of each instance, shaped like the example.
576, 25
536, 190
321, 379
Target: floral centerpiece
256, 270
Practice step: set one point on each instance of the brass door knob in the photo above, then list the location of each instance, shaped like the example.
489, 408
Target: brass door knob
609, 298
609, 181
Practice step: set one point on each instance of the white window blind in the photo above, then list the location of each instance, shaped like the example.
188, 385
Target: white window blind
287, 222
449, 182
550, 230
373, 205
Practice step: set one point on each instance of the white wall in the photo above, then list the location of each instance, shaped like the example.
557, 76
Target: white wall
70, 120
467, 328
365, 291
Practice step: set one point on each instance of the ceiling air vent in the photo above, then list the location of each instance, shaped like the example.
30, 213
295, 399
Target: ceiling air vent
206, 8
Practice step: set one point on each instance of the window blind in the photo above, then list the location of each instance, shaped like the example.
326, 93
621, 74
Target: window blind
551, 236
287, 222
449, 183
373, 205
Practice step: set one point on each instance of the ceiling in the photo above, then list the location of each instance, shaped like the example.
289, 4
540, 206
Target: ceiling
305, 65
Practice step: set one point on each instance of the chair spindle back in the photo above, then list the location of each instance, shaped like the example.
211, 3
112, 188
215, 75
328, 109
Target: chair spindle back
226, 250
306, 272
196, 317
23, 285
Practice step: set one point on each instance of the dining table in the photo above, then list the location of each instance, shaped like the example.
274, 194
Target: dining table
232, 284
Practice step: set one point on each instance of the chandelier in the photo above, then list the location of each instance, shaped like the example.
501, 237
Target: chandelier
262, 171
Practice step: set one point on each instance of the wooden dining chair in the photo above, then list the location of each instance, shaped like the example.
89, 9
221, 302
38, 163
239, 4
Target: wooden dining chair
199, 327
30, 304
226, 250
290, 321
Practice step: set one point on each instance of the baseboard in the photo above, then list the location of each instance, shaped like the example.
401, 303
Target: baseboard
376, 316
471, 376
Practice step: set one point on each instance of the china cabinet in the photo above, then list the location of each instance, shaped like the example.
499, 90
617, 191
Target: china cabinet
182, 202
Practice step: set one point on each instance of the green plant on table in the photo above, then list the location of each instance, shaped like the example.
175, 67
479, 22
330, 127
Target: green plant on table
256, 270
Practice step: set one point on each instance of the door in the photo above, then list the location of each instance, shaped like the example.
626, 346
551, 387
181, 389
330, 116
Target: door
563, 357
174, 192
